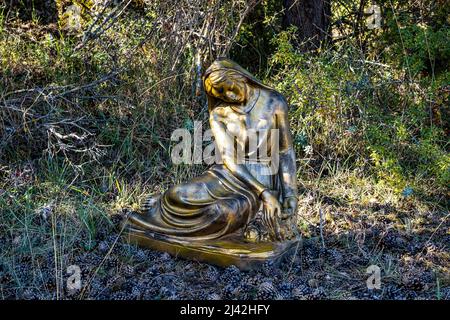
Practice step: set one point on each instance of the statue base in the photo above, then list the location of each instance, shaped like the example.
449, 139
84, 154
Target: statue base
230, 250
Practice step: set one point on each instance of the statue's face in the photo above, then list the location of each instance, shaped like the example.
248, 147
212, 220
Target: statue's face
228, 90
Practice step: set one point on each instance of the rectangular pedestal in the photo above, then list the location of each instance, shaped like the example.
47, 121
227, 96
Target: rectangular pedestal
223, 252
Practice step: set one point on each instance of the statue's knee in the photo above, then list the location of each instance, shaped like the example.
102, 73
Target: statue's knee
175, 193
233, 208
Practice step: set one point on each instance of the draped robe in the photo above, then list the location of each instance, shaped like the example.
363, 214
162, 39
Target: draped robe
218, 203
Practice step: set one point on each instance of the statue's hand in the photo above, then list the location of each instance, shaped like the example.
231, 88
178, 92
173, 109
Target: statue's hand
271, 213
290, 205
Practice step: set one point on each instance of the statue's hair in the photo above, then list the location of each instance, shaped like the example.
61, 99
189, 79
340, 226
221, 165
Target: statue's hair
219, 76
216, 77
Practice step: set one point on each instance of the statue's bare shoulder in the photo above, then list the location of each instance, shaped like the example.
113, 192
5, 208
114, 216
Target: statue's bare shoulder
279, 102
276, 103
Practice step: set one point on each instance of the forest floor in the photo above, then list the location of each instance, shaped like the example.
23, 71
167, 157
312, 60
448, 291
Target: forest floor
413, 261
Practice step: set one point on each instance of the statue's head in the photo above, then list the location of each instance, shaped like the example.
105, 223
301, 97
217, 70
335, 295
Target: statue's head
225, 80
226, 85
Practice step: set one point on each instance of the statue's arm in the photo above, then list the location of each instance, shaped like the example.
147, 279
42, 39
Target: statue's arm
288, 167
225, 143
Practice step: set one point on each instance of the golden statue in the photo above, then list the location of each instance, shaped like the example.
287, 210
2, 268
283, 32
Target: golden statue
234, 212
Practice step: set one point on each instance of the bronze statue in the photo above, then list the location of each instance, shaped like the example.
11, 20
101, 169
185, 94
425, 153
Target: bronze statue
233, 213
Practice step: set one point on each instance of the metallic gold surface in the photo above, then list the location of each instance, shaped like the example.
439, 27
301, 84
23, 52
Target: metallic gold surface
221, 252
233, 212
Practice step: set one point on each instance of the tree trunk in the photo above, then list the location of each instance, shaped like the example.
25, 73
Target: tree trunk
312, 18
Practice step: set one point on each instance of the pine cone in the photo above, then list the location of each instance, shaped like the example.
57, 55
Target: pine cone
103, 246
301, 292
213, 296
136, 292
128, 271
121, 296
286, 290
152, 271
254, 280
245, 291
266, 291
229, 291
29, 294
168, 293
268, 268
319, 294
413, 282
211, 274
111, 262
115, 283
392, 292
141, 255
231, 275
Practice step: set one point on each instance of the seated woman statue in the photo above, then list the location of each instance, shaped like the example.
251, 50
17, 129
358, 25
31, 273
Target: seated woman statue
233, 211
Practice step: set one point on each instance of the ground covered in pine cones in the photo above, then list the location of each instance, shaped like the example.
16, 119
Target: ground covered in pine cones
332, 269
